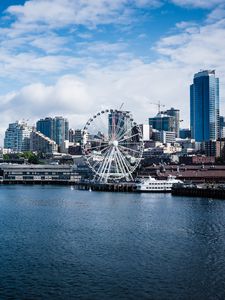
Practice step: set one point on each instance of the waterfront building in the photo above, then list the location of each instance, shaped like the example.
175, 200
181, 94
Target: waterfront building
163, 122
39, 173
56, 129
204, 106
17, 136
176, 114
41, 143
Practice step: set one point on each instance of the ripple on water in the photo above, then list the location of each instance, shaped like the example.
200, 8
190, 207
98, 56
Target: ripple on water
56, 243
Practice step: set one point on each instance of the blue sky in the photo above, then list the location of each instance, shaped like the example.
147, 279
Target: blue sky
75, 57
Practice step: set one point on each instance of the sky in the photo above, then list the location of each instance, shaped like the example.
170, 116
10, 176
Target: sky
76, 57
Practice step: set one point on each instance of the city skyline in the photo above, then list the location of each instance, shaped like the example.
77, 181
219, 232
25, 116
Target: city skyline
73, 58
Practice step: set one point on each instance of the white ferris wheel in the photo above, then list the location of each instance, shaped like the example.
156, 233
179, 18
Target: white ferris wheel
112, 145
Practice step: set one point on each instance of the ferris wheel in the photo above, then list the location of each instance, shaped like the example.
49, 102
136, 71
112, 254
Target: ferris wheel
112, 145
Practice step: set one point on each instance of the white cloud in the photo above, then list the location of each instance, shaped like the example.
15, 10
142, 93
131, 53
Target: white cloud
217, 14
102, 48
60, 13
79, 98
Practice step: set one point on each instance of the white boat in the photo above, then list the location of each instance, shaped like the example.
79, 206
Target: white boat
150, 184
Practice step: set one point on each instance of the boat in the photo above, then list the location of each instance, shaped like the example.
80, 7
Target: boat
150, 184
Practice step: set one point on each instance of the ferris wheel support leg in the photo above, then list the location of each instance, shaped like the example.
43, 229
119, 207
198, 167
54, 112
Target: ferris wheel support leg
110, 163
104, 166
125, 164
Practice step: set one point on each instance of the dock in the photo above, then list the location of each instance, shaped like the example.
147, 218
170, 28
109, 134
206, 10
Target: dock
206, 191
107, 187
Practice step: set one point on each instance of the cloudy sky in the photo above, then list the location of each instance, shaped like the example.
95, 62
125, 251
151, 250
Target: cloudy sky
75, 57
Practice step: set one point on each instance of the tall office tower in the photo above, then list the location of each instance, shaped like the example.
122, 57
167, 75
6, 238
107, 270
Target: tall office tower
46, 127
71, 135
78, 136
61, 130
176, 114
56, 129
204, 106
17, 137
163, 122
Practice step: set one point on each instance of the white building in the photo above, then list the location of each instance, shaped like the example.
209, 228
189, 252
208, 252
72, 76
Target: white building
17, 137
164, 136
146, 131
41, 143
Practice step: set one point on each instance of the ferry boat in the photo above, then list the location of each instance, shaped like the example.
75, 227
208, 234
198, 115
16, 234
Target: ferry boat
150, 184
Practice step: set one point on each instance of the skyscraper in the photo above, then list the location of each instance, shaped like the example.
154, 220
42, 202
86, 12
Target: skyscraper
46, 127
176, 114
56, 129
204, 106
163, 122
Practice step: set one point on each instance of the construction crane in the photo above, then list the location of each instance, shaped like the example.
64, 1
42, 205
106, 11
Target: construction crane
159, 105
121, 105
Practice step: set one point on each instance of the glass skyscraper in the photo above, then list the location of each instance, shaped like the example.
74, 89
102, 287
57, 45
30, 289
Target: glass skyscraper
56, 129
163, 122
176, 114
204, 106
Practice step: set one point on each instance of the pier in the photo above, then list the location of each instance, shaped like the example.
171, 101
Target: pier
107, 187
206, 191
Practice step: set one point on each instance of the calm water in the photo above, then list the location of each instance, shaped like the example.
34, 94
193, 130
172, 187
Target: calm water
58, 243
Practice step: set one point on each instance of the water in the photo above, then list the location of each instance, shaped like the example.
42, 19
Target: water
58, 243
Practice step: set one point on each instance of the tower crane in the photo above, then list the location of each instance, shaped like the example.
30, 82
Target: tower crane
158, 104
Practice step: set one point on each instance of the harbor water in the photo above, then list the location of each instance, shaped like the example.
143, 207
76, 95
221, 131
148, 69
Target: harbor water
60, 243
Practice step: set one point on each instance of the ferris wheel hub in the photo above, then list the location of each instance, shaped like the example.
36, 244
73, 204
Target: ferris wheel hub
115, 143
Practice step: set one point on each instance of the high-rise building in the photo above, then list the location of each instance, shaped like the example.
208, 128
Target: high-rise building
17, 137
204, 106
46, 126
78, 136
61, 130
222, 127
57, 129
146, 131
71, 135
163, 122
176, 114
